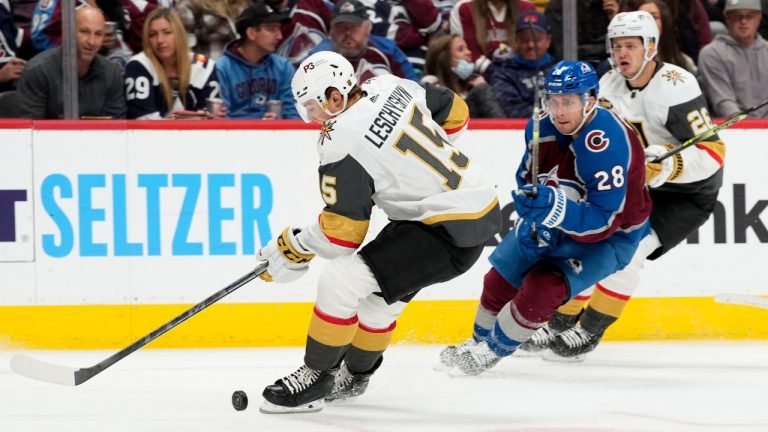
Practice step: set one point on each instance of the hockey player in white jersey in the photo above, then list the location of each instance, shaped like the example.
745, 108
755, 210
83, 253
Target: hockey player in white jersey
666, 106
384, 142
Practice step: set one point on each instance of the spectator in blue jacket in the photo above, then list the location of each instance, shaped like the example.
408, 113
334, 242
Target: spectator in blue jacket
250, 73
514, 80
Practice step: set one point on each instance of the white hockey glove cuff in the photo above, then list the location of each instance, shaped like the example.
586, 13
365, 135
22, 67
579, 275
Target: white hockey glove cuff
657, 173
287, 260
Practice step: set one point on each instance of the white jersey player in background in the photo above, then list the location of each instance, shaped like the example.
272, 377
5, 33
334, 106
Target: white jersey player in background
666, 106
384, 142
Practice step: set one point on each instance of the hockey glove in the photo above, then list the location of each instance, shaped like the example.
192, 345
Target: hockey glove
546, 207
657, 173
533, 239
287, 259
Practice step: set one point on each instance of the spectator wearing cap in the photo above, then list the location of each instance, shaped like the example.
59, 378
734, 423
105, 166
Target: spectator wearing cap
733, 66
515, 80
250, 72
370, 55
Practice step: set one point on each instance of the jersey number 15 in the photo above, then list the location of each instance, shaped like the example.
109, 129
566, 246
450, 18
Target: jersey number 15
413, 145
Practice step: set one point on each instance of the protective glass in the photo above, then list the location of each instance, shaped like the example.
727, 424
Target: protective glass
567, 103
310, 111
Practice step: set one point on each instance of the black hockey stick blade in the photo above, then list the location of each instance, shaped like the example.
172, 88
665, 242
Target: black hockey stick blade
711, 131
39, 370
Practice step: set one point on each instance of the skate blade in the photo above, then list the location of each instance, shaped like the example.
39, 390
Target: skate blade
531, 354
552, 357
442, 367
342, 401
270, 408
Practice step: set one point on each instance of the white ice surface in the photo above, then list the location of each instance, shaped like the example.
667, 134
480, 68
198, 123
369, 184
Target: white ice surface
626, 387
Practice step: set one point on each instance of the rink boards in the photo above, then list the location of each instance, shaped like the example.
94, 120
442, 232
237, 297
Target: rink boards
109, 229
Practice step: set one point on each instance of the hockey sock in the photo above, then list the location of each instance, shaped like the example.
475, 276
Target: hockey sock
603, 310
327, 339
496, 293
575, 306
367, 347
544, 289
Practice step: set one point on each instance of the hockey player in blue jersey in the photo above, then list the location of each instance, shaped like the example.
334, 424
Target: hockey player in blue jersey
582, 222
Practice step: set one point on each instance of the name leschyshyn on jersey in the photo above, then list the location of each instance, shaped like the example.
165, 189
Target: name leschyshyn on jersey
388, 150
387, 118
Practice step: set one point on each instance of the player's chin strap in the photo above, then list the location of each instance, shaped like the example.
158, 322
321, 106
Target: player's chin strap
639, 72
334, 114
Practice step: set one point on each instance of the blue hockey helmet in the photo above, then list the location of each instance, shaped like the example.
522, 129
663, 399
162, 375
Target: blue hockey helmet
570, 76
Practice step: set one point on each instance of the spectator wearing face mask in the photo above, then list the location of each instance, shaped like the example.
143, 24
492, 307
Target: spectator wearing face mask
449, 64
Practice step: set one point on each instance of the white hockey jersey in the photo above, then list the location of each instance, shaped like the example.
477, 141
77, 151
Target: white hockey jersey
669, 110
387, 149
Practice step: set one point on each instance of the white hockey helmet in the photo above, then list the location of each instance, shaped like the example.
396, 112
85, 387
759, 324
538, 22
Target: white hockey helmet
635, 23
316, 74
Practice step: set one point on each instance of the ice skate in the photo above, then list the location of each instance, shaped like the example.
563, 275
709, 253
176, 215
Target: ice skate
539, 341
573, 345
349, 385
301, 391
449, 356
477, 359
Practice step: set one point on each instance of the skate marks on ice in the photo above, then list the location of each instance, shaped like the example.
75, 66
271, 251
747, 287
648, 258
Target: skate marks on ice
632, 387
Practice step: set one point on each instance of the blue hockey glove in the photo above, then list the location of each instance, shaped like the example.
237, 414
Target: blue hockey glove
533, 239
545, 206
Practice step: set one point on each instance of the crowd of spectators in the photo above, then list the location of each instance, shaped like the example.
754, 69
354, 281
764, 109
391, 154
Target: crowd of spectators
158, 59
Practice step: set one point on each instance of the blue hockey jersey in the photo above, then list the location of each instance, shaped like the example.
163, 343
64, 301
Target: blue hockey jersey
602, 172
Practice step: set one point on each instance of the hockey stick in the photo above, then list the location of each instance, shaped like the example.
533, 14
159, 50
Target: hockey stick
711, 131
536, 118
52, 373
535, 132
742, 299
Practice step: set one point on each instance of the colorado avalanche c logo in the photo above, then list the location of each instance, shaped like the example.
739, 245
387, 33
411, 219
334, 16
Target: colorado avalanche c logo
596, 141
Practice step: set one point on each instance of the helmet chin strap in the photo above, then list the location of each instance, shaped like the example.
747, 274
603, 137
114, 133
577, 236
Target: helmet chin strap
334, 114
640, 71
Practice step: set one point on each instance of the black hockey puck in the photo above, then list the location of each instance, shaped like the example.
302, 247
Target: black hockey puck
239, 400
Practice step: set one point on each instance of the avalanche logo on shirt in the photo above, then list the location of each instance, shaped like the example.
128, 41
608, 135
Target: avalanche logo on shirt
596, 141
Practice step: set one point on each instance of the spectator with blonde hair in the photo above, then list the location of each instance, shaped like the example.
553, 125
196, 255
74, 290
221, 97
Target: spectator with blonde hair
166, 77
448, 65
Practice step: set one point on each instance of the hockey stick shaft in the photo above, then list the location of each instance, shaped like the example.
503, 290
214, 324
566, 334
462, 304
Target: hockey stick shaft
536, 118
710, 132
35, 369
